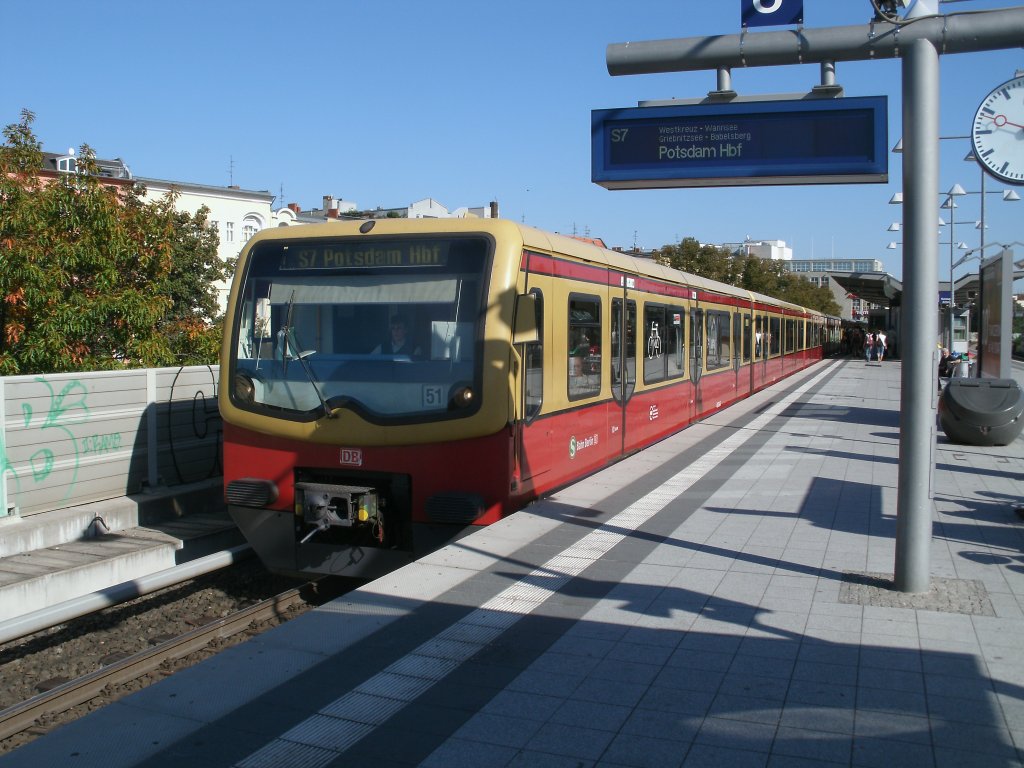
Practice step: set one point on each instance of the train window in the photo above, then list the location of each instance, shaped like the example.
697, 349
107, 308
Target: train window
774, 336
390, 330
719, 344
663, 341
760, 347
790, 335
675, 348
654, 342
584, 346
533, 364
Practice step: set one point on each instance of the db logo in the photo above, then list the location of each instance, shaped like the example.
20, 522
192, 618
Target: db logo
352, 457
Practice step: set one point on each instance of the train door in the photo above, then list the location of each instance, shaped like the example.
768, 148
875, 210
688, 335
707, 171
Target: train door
759, 366
737, 352
623, 367
532, 435
749, 359
696, 354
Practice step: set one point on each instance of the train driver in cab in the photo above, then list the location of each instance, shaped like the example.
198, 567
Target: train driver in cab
399, 342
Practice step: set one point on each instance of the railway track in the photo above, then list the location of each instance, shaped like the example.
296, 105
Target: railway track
24, 716
65, 672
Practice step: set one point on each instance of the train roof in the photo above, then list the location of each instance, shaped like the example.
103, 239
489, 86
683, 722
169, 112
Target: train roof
621, 261
585, 250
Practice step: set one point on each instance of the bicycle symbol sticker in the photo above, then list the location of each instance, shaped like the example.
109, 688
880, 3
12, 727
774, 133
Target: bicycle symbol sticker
654, 342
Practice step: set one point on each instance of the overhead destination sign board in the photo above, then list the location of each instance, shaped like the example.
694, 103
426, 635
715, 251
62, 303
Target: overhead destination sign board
800, 141
768, 13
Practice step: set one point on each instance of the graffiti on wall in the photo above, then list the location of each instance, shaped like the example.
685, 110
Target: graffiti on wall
59, 442
65, 409
195, 438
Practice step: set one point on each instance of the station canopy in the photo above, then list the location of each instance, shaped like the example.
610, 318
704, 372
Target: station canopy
885, 290
879, 288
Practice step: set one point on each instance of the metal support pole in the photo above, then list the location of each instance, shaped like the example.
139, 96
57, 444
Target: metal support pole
997, 29
918, 45
724, 79
952, 287
981, 258
982, 242
828, 73
920, 271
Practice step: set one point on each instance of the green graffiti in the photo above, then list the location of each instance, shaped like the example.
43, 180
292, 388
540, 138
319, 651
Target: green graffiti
58, 417
101, 443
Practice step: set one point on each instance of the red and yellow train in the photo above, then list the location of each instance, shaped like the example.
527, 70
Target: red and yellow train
382, 381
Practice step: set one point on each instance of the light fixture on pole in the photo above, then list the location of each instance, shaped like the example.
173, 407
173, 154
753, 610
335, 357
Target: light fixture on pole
955, 191
1008, 195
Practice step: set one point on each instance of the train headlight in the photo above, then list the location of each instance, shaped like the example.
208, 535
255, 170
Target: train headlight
463, 397
245, 388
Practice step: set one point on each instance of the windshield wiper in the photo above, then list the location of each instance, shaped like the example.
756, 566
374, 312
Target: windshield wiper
290, 341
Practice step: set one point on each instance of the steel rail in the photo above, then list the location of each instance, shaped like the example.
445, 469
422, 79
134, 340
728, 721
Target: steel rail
45, 618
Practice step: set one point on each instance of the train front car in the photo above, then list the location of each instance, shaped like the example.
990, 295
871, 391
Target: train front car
364, 389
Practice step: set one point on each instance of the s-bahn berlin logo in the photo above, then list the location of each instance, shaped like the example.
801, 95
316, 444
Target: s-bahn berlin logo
575, 446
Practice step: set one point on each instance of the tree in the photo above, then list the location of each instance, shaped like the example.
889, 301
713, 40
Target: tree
704, 260
190, 283
751, 273
92, 277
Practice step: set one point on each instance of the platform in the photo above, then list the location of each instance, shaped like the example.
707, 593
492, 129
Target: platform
719, 599
53, 557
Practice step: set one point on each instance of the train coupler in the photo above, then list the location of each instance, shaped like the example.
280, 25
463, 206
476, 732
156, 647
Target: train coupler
342, 506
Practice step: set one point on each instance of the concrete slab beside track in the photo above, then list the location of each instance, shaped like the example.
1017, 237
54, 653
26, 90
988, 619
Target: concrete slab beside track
719, 599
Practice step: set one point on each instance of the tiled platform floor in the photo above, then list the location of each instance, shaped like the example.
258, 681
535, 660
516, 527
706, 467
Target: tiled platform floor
700, 604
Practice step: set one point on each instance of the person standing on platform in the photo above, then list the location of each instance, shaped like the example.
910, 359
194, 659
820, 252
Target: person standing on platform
945, 366
880, 345
869, 345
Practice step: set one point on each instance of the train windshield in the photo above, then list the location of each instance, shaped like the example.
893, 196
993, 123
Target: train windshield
391, 329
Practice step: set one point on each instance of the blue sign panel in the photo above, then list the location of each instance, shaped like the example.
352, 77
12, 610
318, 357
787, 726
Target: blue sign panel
771, 13
812, 141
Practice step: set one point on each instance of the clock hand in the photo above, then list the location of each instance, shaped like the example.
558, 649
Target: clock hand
1000, 121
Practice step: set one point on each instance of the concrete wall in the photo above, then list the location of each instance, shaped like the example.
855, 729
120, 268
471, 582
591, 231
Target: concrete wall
73, 438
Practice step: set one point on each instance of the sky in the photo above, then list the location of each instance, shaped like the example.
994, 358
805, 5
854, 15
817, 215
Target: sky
384, 103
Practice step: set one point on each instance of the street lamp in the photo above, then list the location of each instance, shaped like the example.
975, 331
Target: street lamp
955, 191
895, 226
950, 203
1008, 196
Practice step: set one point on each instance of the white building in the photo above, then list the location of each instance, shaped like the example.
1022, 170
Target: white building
237, 213
333, 208
762, 249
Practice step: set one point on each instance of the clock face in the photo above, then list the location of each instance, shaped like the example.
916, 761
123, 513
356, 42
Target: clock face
998, 132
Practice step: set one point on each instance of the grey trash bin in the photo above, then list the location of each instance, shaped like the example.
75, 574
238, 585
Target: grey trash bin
982, 411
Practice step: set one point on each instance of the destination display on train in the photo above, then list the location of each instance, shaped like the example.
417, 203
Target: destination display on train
806, 141
365, 254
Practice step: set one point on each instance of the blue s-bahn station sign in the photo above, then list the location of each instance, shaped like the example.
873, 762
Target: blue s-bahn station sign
768, 13
799, 141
